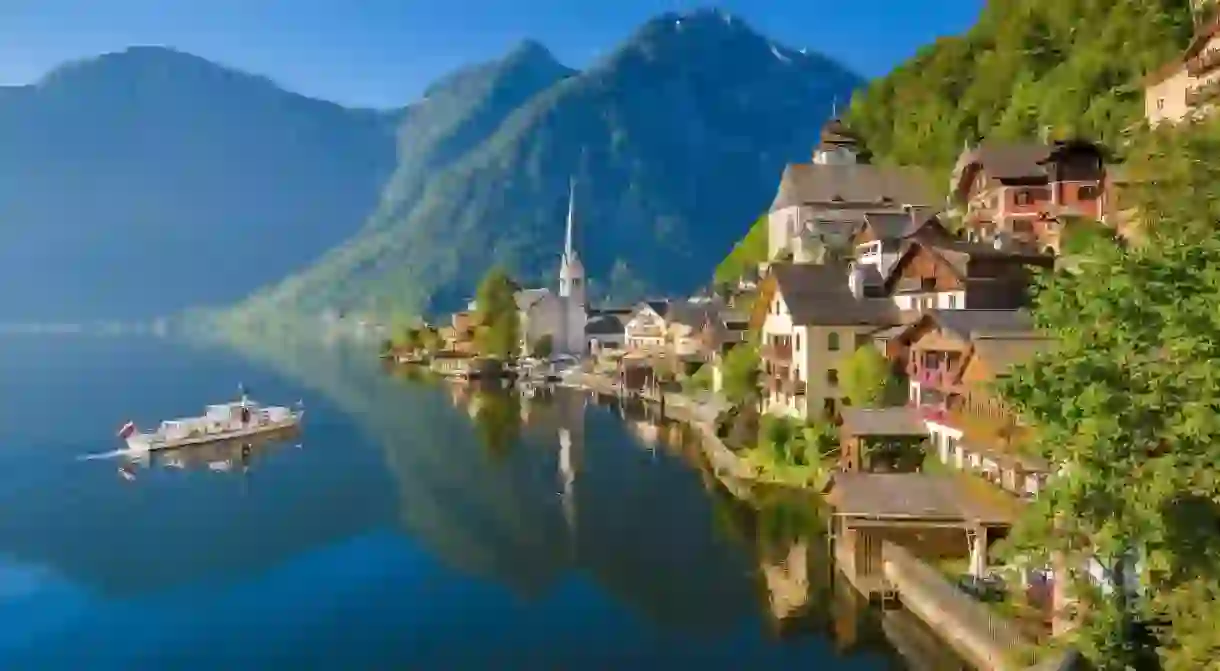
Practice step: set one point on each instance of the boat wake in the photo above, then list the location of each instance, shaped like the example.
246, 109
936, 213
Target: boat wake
108, 455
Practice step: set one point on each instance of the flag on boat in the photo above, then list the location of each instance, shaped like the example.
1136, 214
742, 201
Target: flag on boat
128, 429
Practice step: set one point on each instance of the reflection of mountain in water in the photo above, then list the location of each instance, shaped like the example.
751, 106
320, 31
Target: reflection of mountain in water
638, 525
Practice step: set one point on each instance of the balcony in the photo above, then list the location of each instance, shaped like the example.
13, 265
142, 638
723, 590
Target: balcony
777, 353
1202, 94
1205, 62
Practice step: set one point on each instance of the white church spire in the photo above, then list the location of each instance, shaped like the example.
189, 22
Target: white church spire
571, 271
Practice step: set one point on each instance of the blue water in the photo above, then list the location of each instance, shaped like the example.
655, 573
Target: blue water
407, 527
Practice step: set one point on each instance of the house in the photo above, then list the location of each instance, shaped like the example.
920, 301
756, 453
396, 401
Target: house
821, 203
954, 358
879, 240
937, 271
670, 326
606, 331
1186, 87
811, 316
645, 330
1023, 194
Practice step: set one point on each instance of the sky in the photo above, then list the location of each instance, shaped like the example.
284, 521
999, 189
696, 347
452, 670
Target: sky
383, 53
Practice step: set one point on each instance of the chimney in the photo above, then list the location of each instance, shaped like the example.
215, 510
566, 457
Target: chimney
855, 280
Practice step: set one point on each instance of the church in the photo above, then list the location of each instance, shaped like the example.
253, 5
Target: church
560, 315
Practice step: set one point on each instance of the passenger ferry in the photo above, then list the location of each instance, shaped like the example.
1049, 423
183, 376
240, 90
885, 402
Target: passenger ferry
224, 421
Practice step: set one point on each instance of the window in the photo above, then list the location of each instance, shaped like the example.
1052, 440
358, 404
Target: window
1087, 192
828, 408
1023, 197
798, 342
832, 377
952, 301
1160, 104
832, 341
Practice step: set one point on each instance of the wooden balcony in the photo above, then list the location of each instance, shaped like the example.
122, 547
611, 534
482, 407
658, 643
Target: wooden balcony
1203, 94
1204, 63
777, 353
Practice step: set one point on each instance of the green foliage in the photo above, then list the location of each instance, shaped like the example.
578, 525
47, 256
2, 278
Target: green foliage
543, 347
1127, 403
868, 379
746, 254
1023, 67
497, 420
429, 339
496, 316
1081, 234
700, 381
739, 374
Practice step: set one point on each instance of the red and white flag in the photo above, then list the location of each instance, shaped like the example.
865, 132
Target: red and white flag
128, 429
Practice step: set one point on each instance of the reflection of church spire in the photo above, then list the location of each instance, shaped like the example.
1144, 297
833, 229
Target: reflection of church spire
571, 453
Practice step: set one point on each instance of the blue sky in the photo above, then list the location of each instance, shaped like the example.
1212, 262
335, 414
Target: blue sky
384, 52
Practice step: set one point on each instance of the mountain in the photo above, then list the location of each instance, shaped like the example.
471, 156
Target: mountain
141, 182
1023, 68
676, 140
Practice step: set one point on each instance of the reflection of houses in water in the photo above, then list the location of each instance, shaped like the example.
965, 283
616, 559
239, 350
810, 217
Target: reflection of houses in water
787, 581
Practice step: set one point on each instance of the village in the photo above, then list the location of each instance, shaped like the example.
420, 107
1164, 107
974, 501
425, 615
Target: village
860, 358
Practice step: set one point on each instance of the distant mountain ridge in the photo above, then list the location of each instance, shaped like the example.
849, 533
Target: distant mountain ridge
144, 182
677, 139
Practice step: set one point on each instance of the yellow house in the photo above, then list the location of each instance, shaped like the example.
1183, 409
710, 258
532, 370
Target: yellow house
811, 317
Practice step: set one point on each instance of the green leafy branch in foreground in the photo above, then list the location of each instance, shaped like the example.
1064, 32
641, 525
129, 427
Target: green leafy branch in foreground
1129, 404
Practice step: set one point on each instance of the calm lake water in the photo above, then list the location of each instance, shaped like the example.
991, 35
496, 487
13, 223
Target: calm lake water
407, 527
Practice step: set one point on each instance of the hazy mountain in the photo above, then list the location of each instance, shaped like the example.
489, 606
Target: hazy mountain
146, 181
677, 139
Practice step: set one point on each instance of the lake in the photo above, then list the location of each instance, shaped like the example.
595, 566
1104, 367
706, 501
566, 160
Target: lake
409, 526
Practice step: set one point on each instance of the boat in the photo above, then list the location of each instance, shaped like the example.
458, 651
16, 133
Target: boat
221, 422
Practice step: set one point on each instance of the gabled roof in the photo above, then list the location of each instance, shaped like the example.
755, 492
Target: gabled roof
1001, 353
976, 326
971, 324
808, 183
1017, 161
604, 324
527, 298
957, 254
819, 294
896, 421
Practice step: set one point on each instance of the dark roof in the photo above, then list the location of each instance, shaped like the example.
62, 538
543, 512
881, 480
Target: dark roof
970, 324
958, 253
1002, 353
819, 294
604, 325
1017, 161
612, 310
898, 224
694, 315
808, 183
899, 421
836, 133
897, 496
660, 306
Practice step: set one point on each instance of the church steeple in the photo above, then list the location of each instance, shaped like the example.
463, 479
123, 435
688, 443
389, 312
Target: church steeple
571, 271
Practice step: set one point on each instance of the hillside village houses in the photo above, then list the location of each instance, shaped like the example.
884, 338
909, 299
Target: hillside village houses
820, 204
1022, 195
1187, 87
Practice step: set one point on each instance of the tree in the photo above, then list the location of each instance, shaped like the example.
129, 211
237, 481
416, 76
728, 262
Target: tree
543, 347
429, 339
496, 315
1127, 403
739, 374
868, 379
